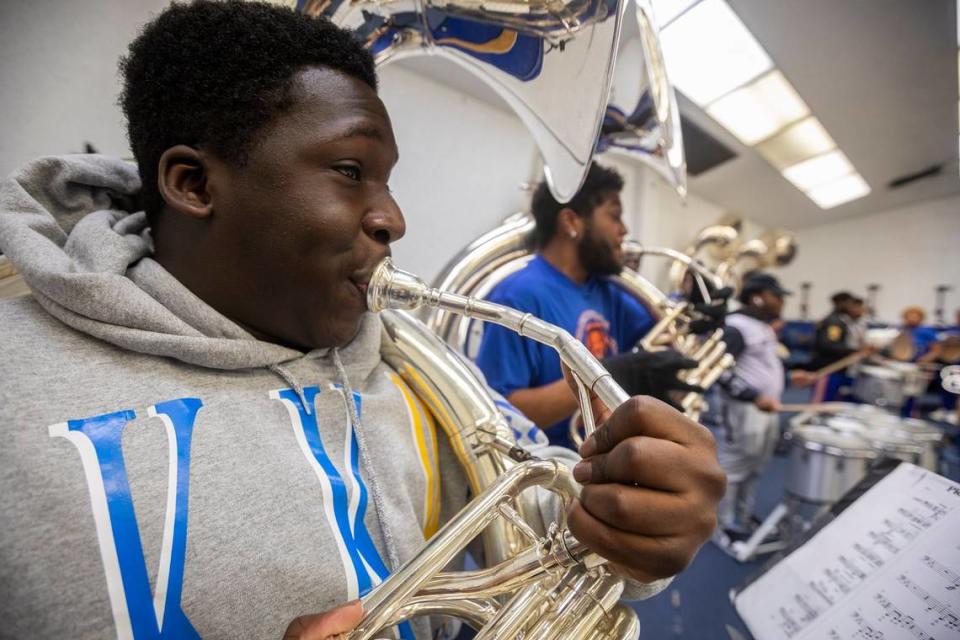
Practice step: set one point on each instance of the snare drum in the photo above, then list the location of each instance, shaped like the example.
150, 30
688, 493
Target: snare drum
825, 463
920, 433
880, 386
912, 377
891, 384
897, 443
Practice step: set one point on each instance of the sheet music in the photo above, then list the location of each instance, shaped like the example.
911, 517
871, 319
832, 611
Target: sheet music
887, 568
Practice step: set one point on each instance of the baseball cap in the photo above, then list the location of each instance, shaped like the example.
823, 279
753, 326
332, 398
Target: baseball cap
757, 281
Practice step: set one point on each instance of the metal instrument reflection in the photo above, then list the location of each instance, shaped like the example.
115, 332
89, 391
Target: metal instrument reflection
721, 248
552, 62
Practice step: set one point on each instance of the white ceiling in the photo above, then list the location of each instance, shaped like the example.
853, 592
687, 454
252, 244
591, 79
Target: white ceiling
882, 78
881, 75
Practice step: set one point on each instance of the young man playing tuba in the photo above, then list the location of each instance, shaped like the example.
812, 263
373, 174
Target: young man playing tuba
201, 438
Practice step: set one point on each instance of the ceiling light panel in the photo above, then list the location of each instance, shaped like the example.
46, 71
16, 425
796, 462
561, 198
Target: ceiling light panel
709, 52
820, 170
840, 191
666, 11
796, 143
760, 109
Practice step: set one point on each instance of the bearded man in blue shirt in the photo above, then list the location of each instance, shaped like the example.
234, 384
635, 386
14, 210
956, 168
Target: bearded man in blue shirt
567, 283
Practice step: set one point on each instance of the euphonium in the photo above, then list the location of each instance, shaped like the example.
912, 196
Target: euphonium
773, 248
713, 245
537, 586
721, 249
497, 254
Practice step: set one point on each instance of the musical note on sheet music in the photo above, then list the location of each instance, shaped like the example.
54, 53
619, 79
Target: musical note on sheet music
953, 579
887, 568
931, 604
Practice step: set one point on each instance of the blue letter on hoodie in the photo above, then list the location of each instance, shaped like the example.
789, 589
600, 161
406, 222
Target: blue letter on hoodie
346, 498
138, 613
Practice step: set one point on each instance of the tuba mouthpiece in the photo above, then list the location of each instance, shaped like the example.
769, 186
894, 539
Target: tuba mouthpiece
393, 288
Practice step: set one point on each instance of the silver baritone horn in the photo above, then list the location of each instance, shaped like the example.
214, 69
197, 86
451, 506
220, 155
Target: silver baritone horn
538, 585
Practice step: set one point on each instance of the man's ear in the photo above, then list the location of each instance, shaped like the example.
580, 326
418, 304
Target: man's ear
182, 180
570, 224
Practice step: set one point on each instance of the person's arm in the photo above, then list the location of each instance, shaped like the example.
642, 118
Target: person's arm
832, 340
735, 386
510, 363
545, 405
729, 381
331, 625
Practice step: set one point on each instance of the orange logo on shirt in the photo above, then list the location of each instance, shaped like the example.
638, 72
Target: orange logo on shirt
593, 330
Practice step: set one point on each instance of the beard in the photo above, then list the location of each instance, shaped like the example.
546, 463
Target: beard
597, 256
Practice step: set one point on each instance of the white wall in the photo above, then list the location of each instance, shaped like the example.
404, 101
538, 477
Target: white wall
58, 75
908, 251
462, 164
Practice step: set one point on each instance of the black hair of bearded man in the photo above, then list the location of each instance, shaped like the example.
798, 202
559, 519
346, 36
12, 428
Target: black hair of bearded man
210, 74
599, 182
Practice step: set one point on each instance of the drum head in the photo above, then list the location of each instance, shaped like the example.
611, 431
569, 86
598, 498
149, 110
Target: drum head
845, 424
876, 371
902, 347
892, 438
847, 444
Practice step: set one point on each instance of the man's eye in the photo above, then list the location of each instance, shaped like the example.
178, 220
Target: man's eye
350, 171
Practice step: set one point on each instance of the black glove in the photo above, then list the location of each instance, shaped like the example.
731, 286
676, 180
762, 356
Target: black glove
708, 317
644, 373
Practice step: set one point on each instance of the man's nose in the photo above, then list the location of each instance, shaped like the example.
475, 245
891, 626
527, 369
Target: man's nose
384, 222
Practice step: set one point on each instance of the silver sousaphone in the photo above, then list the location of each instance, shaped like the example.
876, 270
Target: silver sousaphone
552, 61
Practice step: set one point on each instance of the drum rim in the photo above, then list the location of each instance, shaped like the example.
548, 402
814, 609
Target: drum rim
865, 452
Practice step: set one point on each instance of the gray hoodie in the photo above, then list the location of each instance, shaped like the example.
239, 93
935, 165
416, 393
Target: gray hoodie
165, 474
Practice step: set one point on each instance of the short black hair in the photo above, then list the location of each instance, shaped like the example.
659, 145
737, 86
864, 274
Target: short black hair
212, 73
841, 297
545, 208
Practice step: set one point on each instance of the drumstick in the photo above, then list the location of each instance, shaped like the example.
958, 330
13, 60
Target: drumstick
819, 407
842, 363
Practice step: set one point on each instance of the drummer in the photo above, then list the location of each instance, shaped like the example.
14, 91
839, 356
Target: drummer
944, 352
839, 335
743, 407
915, 339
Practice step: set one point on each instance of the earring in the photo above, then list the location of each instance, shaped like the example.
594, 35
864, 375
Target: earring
573, 234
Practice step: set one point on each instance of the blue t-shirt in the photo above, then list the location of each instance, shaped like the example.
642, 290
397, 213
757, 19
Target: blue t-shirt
599, 313
923, 337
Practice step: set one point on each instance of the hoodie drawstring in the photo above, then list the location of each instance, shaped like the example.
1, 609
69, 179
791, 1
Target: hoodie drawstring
354, 414
287, 377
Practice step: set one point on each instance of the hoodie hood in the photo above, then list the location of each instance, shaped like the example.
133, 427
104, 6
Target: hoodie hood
70, 225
